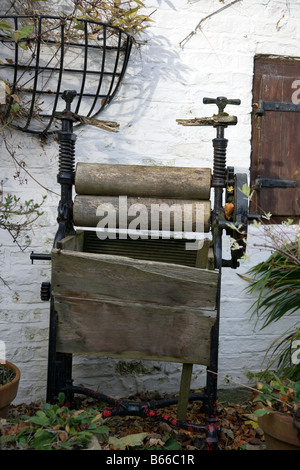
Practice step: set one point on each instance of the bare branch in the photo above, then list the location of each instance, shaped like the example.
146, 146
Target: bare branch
206, 18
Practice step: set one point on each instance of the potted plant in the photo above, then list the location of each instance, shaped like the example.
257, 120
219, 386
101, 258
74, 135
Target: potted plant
9, 383
277, 282
278, 413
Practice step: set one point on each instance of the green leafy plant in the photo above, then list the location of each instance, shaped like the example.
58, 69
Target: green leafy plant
276, 282
55, 427
277, 396
124, 14
17, 217
276, 285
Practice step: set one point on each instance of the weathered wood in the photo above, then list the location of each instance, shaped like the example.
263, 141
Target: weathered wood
275, 138
202, 254
184, 392
204, 260
133, 331
143, 180
209, 121
120, 307
142, 213
72, 242
91, 276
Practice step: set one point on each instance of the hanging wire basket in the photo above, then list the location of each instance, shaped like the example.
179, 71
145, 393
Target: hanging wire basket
42, 56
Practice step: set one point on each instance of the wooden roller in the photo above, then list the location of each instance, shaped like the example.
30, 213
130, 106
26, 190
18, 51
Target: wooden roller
142, 213
141, 180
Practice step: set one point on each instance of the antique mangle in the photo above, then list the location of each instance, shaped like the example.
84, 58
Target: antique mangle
125, 296
135, 296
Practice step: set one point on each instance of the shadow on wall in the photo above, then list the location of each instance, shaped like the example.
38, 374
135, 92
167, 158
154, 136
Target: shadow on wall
154, 62
155, 65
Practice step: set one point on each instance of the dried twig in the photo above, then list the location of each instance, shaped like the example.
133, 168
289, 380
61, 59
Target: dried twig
110, 126
206, 18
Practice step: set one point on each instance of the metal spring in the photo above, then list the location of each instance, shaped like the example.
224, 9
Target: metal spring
220, 159
67, 156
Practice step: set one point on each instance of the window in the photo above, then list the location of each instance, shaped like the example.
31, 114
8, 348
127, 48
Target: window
275, 158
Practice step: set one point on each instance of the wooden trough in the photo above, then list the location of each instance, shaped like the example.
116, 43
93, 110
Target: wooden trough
117, 306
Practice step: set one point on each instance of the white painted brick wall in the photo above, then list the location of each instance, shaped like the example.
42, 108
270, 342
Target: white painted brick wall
163, 82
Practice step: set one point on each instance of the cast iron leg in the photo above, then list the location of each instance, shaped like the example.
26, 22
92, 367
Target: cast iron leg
60, 364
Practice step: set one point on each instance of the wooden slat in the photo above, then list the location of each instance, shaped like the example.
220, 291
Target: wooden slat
89, 275
143, 180
120, 307
133, 331
185, 385
155, 214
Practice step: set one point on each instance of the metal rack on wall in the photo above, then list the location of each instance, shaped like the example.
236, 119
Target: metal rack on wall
58, 54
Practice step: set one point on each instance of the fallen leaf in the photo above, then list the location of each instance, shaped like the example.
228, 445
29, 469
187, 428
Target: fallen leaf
228, 209
63, 436
132, 440
228, 432
97, 417
252, 423
156, 442
250, 416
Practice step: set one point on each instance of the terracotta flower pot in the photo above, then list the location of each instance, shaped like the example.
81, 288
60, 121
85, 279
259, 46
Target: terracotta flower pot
9, 391
280, 432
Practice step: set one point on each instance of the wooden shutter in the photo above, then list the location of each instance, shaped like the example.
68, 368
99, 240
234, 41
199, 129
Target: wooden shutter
275, 159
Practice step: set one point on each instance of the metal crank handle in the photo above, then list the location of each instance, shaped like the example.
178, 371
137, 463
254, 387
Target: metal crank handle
221, 99
40, 256
221, 102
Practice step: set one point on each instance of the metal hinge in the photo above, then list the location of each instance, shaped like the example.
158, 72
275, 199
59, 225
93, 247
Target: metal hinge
275, 183
263, 106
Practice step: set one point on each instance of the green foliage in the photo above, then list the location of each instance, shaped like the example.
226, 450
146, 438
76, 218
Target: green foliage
24, 33
125, 14
276, 285
277, 396
17, 217
56, 427
277, 281
5, 26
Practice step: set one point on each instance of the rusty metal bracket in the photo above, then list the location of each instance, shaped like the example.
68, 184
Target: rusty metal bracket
274, 183
263, 106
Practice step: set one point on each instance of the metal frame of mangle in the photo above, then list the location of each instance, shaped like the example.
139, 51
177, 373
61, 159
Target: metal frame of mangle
226, 185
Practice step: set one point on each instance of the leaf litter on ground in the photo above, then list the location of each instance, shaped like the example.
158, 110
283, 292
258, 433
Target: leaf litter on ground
239, 429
